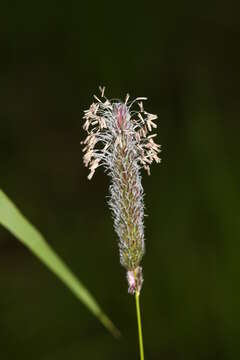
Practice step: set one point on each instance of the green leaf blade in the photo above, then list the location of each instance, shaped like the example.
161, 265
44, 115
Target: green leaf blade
13, 220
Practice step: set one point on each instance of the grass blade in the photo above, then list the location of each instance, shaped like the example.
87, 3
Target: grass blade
12, 219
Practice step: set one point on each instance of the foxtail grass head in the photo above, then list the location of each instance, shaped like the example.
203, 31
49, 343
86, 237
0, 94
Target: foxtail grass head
118, 139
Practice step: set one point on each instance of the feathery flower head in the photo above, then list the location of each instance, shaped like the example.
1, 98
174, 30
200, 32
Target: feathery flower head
118, 140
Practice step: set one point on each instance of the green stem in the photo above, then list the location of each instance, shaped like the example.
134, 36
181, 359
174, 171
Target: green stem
140, 336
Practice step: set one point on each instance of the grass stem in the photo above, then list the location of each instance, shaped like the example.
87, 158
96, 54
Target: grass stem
140, 336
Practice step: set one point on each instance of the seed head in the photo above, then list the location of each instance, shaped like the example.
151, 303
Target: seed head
118, 138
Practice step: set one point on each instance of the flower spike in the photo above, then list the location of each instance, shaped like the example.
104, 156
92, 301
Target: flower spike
118, 139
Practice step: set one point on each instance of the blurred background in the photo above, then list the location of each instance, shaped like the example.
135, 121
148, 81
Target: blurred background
185, 58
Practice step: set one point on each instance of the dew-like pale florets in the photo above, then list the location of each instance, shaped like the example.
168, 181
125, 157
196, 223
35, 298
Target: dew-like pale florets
118, 139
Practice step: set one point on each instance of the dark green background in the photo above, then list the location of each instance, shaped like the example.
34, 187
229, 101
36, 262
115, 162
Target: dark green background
184, 57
